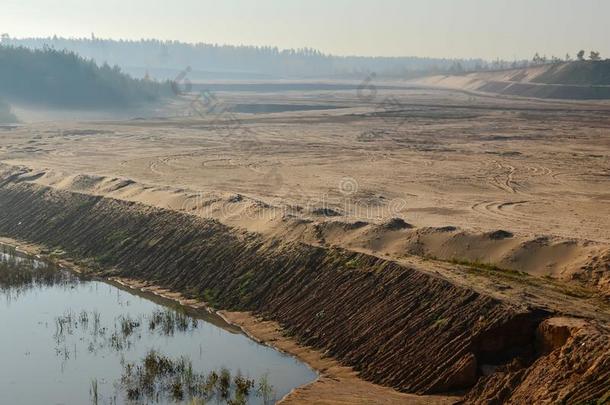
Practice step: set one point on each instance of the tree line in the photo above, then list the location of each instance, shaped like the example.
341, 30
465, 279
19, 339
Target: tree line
167, 57
594, 56
64, 79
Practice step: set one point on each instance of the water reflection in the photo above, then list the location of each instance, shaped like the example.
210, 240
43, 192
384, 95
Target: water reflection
20, 273
160, 378
120, 334
71, 340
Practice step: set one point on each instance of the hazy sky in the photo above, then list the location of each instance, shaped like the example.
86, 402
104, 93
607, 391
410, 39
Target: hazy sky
451, 28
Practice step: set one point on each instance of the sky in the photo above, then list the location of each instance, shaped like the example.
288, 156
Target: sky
489, 29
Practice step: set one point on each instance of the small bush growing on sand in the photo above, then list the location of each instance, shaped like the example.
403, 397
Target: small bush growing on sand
487, 267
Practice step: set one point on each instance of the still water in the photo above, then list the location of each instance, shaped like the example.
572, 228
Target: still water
65, 339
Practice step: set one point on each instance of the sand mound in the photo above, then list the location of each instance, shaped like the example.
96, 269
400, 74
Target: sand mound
396, 224
540, 255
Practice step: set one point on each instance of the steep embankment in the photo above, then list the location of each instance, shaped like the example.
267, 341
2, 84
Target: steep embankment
571, 81
396, 325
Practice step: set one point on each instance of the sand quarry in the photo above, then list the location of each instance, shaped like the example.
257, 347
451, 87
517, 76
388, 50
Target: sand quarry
509, 197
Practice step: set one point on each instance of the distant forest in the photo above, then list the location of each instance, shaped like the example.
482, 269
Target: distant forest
164, 59
62, 78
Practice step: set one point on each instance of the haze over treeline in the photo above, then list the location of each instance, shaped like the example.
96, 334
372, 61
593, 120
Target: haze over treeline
164, 59
67, 80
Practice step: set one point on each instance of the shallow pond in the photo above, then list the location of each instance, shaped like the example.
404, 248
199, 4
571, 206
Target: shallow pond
69, 340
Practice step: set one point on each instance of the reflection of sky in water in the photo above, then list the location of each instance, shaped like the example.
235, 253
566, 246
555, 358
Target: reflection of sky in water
40, 367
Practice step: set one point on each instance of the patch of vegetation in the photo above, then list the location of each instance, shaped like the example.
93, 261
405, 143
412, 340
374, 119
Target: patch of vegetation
353, 263
572, 289
168, 322
441, 323
128, 325
490, 269
228, 61
160, 377
605, 398
484, 266
126, 332
245, 284
153, 242
94, 392
569, 289
118, 237
106, 259
210, 296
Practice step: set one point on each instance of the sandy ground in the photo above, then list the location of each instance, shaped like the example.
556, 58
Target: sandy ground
445, 159
435, 158
454, 166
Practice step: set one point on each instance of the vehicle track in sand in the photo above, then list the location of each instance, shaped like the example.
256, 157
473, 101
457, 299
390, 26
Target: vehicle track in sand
502, 210
505, 179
